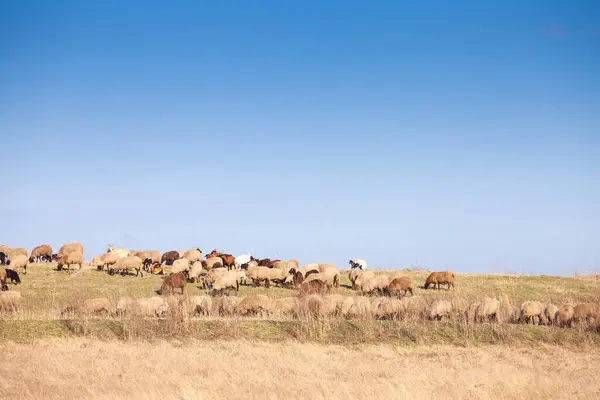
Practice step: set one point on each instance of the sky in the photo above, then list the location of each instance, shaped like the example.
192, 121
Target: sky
457, 135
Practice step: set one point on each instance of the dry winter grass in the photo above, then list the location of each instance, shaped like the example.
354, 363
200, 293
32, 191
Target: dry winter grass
80, 368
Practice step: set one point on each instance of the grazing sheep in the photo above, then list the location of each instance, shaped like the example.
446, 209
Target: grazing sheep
99, 305
19, 261
333, 304
213, 262
227, 281
172, 281
41, 253
169, 257
151, 307
355, 307
375, 286
211, 276
311, 306
311, 267
195, 271
352, 275
530, 310
110, 260
586, 312
440, 278
70, 248
390, 308
228, 305
550, 313
313, 287
255, 304
330, 276
10, 301
439, 309
181, 265
148, 307
198, 304
13, 276
285, 306
3, 275
297, 278
72, 258
97, 262
564, 316
258, 275
193, 255
128, 264
152, 255
398, 286
362, 277
485, 309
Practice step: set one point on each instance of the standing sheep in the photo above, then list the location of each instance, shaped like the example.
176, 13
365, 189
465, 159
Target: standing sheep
41, 253
375, 286
550, 313
362, 277
564, 316
586, 313
193, 255
197, 305
19, 261
70, 248
530, 310
228, 305
169, 257
255, 304
228, 281
485, 309
181, 265
398, 286
439, 309
69, 259
440, 278
173, 281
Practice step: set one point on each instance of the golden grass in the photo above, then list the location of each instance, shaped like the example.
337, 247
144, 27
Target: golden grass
81, 368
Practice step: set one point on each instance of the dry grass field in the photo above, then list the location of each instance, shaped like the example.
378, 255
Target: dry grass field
46, 356
82, 368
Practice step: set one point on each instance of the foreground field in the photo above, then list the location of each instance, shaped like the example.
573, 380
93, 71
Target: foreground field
80, 368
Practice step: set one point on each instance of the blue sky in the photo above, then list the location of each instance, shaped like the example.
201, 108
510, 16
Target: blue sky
461, 135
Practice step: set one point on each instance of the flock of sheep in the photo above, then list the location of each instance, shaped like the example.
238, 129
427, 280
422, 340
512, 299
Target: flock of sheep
379, 295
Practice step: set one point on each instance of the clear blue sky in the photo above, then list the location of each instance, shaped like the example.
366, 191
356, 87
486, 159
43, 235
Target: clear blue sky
462, 135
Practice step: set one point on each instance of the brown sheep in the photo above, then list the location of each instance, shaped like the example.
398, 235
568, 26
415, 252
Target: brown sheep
41, 253
70, 248
440, 278
173, 281
398, 286
586, 312
169, 257
69, 259
313, 287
